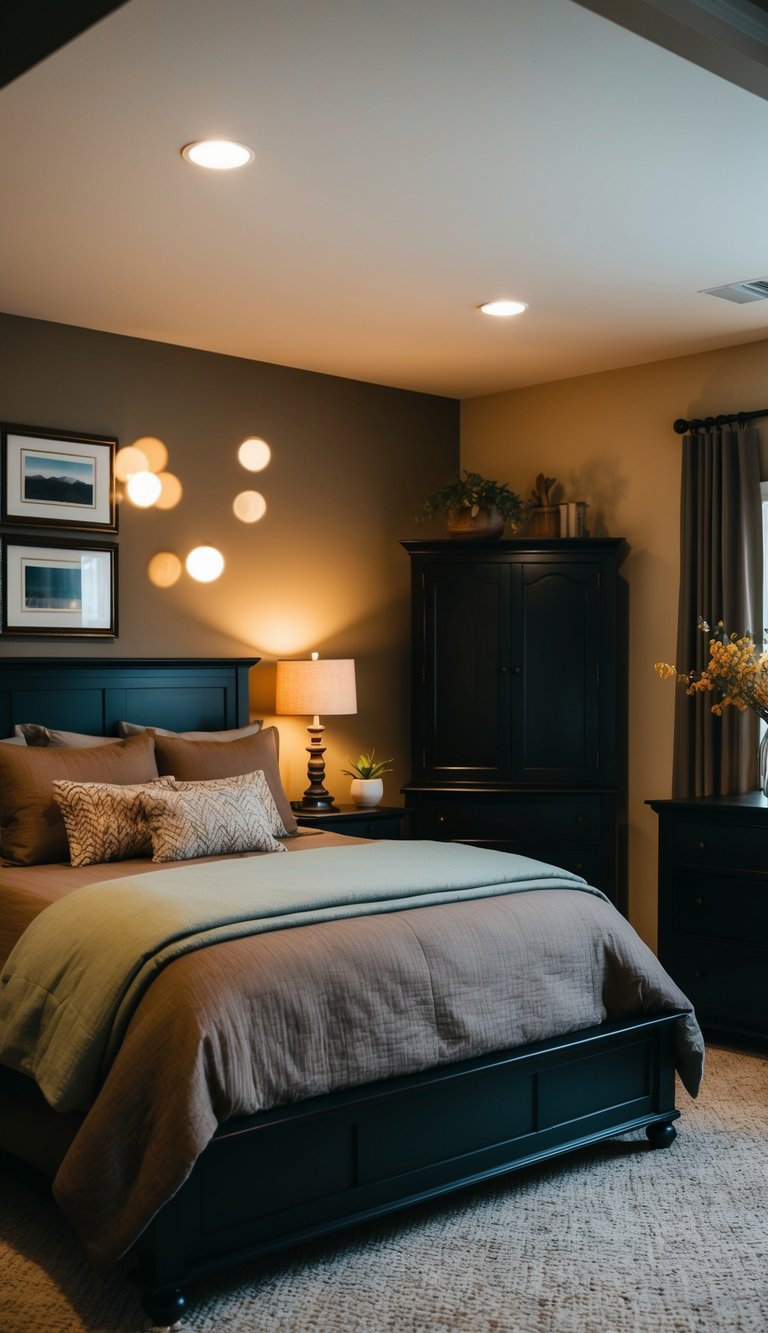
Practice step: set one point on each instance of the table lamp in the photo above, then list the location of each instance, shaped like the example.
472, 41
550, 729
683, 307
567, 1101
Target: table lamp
309, 688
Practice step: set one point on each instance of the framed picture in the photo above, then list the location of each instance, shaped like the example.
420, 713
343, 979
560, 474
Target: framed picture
60, 479
50, 588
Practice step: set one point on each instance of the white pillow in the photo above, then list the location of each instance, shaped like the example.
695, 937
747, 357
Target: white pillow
132, 728
34, 733
206, 821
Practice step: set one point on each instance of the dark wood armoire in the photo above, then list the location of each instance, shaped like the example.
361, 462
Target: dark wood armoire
519, 697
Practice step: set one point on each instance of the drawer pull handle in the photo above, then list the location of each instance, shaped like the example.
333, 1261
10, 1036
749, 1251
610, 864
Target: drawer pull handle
699, 902
441, 819
699, 972
579, 819
702, 846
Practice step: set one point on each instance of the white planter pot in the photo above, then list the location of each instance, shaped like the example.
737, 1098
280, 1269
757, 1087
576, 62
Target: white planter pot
367, 791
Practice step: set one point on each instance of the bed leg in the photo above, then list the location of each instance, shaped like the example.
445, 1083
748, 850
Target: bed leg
165, 1308
662, 1134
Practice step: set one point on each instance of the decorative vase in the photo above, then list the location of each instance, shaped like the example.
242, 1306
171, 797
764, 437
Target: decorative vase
545, 521
366, 792
485, 523
762, 763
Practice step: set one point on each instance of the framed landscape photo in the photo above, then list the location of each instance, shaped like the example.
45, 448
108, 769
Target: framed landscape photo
58, 479
55, 589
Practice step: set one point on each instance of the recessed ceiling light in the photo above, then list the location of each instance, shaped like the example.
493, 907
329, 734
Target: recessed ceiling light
218, 154
502, 309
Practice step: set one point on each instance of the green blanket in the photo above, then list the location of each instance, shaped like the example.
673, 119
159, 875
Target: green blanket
73, 981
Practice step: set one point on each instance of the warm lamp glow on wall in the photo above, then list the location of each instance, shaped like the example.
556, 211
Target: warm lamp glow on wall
249, 506
205, 564
130, 460
164, 569
171, 491
254, 454
143, 489
307, 689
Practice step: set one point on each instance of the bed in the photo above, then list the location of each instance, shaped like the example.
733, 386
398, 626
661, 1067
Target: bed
410, 1108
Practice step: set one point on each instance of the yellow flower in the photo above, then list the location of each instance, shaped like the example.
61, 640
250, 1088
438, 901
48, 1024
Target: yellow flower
737, 671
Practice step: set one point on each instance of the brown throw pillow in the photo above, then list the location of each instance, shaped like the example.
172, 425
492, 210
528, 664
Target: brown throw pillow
195, 761
33, 831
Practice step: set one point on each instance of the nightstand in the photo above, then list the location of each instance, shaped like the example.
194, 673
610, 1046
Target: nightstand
713, 908
382, 822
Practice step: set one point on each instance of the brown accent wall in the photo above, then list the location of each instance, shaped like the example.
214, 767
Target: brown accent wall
322, 570
608, 439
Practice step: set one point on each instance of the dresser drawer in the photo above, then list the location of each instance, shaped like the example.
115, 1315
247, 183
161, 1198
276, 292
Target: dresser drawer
709, 904
726, 845
490, 819
725, 984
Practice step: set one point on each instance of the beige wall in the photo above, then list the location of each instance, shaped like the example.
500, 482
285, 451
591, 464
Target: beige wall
608, 439
323, 570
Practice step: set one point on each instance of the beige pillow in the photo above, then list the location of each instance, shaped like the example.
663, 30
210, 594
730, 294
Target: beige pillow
208, 821
104, 822
35, 734
134, 729
32, 827
233, 784
13, 740
196, 761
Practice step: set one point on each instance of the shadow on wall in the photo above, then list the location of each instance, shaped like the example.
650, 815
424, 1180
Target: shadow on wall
602, 485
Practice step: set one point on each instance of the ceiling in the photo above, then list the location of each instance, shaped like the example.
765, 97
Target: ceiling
412, 159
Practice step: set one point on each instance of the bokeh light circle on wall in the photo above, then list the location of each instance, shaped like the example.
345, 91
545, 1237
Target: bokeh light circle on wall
128, 461
164, 569
171, 491
205, 564
154, 451
143, 489
249, 506
254, 454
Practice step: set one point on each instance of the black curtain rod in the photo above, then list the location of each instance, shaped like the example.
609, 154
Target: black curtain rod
682, 427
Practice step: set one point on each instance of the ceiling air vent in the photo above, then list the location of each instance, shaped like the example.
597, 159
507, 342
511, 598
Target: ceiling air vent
741, 292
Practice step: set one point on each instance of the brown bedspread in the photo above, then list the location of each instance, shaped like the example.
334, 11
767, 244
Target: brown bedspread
259, 1021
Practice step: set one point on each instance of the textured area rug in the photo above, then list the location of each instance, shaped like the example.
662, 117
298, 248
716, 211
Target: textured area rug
615, 1239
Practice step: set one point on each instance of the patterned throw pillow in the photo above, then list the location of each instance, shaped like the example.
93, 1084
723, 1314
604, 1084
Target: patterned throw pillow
104, 822
256, 779
208, 821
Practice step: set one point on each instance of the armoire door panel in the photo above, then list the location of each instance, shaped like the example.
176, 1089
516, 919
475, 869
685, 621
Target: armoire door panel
559, 626
466, 635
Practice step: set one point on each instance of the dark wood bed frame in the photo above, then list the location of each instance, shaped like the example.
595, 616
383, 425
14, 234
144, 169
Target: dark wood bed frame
272, 1180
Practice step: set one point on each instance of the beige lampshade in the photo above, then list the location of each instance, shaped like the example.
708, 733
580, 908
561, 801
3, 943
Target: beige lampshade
315, 688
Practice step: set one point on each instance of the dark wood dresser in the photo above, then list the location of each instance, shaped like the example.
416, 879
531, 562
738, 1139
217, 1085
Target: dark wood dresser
713, 908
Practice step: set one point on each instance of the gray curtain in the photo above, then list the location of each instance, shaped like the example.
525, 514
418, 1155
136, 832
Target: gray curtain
721, 578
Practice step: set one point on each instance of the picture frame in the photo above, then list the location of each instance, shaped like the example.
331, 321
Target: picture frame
60, 479
54, 589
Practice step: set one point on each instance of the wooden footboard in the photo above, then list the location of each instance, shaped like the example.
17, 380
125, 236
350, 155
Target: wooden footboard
272, 1180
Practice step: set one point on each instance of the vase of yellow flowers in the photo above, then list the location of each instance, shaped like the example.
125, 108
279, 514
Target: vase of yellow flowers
737, 672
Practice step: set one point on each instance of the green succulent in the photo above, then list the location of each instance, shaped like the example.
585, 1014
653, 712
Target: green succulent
367, 766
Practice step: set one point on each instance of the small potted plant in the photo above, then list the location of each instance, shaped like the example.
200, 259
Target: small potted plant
474, 506
366, 773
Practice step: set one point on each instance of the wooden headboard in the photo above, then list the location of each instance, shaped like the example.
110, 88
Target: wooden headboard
92, 695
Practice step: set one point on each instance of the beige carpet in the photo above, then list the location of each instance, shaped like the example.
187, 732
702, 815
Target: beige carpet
618, 1239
